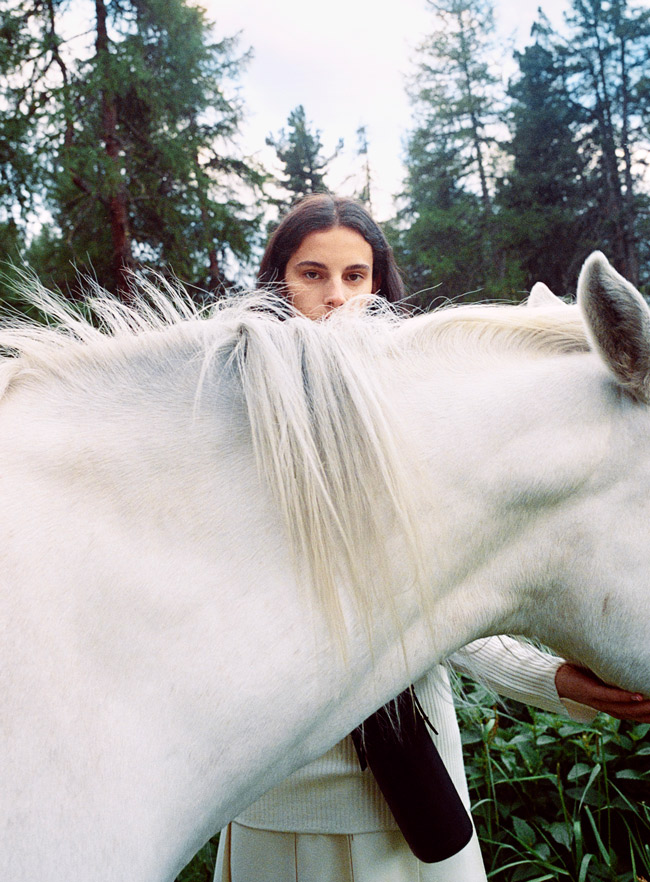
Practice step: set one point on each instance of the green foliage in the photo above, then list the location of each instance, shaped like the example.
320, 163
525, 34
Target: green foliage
201, 868
555, 799
11, 257
439, 238
567, 175
444, 236
365, 193
299, 150
456, 91
30, 66
606, 58
545, 202
172, 116
131, 138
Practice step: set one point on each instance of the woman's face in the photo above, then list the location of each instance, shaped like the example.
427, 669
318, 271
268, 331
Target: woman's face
327, 269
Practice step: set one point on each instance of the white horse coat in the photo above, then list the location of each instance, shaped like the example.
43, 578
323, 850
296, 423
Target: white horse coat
172, 501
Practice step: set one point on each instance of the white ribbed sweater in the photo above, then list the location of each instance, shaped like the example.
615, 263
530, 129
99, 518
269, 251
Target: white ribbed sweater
333, 795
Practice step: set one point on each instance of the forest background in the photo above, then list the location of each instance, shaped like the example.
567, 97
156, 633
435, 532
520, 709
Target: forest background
118, 151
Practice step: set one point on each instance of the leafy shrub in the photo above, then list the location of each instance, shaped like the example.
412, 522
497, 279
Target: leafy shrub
555, 799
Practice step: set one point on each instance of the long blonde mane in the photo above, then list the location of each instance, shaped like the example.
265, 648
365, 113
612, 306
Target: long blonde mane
320, 419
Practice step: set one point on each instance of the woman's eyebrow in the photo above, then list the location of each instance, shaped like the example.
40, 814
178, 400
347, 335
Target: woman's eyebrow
312, 263
318, 265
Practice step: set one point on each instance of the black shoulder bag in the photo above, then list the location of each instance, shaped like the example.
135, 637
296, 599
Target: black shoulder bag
395, 744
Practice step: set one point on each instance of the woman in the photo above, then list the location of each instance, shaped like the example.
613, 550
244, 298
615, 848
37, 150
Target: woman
328, 822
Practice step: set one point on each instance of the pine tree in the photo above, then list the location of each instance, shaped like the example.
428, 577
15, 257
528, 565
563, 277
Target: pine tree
456, 90
546, 206
446, 224
436, 237
607, 55
31, 66
363, 151
300, 152
137, 131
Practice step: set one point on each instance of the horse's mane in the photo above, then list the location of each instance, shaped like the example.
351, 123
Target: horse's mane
159, 305
320, 421
474, 330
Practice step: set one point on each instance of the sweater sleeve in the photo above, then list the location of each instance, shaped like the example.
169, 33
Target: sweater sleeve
518, 670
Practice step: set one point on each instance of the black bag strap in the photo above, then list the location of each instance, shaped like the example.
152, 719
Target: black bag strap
395, 744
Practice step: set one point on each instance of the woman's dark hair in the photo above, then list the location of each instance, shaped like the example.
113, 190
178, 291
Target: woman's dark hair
320, 212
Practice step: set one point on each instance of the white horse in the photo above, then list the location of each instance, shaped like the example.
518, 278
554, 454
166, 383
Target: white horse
225, 542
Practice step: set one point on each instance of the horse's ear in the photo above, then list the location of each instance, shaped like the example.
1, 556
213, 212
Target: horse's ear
618, 323
541, 295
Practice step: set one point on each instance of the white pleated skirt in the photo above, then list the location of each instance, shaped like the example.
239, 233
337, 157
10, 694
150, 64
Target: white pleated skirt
250, 855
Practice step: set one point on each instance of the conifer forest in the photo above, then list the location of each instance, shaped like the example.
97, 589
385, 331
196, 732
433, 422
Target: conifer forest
117, 149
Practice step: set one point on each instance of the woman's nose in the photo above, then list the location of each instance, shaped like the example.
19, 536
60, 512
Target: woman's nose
335, 295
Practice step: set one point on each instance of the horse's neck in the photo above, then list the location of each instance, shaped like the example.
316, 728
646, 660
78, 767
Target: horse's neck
187, 663
511, 451
172, 646
117, 554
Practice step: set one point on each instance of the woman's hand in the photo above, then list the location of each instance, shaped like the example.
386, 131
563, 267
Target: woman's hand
579, 684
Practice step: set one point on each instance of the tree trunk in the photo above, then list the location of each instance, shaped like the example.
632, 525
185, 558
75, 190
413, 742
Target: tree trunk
624, 248
489, 258
118, 207
51, 18
629, 209
476, 127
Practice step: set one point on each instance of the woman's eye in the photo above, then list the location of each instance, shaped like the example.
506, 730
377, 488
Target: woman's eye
311, 274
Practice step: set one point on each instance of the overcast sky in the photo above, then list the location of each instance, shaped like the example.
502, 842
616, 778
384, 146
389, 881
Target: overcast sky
346, 61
